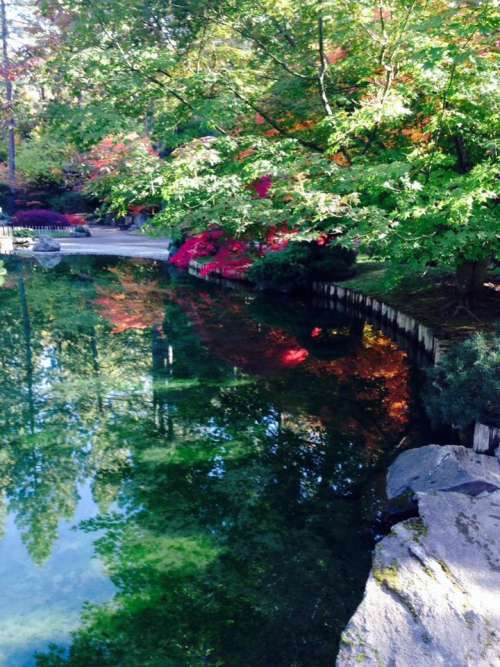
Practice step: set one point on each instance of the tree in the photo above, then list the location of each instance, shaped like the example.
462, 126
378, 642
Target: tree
371, 122
9, 98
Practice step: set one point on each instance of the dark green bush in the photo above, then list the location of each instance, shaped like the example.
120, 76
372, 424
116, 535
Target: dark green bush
282, 271
464, 386
301, 263
71, 202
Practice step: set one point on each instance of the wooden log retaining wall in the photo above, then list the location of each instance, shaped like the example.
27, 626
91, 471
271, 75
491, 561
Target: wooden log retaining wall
388, 318
404, 329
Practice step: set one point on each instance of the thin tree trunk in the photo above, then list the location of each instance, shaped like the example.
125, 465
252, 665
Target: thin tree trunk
323, 68
9, 100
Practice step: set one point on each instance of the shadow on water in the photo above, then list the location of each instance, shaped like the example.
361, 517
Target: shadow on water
232, 449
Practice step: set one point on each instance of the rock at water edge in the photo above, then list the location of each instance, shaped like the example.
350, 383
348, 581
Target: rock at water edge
46, 244
433, 595
443, 468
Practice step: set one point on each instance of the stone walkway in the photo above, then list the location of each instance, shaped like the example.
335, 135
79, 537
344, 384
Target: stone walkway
110, 241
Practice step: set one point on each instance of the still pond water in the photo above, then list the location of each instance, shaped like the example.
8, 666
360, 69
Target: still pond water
188, 476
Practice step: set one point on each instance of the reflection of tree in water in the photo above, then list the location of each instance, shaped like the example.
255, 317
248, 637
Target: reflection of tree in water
52, 385
230, 451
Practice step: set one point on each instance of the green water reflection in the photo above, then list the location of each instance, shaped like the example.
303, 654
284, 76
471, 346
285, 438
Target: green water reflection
221, 452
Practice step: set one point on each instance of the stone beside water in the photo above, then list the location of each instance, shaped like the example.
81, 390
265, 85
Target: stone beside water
433, 595
443, 468
46, 244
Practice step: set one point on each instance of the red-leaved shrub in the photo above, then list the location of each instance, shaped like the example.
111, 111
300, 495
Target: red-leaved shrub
76, 219
40, 218
201, 245
231, 261
262, 186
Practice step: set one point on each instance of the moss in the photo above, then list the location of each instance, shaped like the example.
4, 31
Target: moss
387, 576
418, 528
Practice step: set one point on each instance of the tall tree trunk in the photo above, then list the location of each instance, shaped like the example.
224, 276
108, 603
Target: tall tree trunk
470, 278
9, 103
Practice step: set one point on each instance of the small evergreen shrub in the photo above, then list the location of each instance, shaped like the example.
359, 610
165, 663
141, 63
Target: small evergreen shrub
299, 264
39, 218
23, 234
464, 386
282, 271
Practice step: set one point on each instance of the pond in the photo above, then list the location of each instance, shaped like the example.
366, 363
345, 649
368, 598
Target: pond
188, 476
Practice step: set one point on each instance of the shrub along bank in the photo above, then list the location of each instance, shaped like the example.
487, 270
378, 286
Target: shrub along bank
282, 264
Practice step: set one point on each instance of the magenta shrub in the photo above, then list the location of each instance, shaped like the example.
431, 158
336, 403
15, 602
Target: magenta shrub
40, 217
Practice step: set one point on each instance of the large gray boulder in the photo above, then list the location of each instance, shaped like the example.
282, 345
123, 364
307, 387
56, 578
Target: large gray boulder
433, 595
443, 468
46, 244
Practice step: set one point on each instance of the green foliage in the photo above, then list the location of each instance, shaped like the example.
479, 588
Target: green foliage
23, 233
464, 386
4, 196
43, 161
71, 202
299, 264
286, 270
377, 123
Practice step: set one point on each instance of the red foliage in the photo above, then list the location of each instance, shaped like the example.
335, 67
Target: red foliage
201, 245
262, 186
230, 261
110, 154
39, 217
76, 219
142, 208
336, 55
278, 238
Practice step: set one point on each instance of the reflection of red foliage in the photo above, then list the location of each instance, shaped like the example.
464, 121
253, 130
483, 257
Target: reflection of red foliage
294, 357
224, 326
377, 362
139, 304
380, 360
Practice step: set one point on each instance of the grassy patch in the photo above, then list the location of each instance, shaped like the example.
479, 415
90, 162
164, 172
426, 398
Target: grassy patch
429, 297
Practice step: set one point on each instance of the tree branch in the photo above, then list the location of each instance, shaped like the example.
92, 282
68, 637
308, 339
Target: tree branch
323, 67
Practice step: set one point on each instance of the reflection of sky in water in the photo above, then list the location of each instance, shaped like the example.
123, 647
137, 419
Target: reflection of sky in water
42, 604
